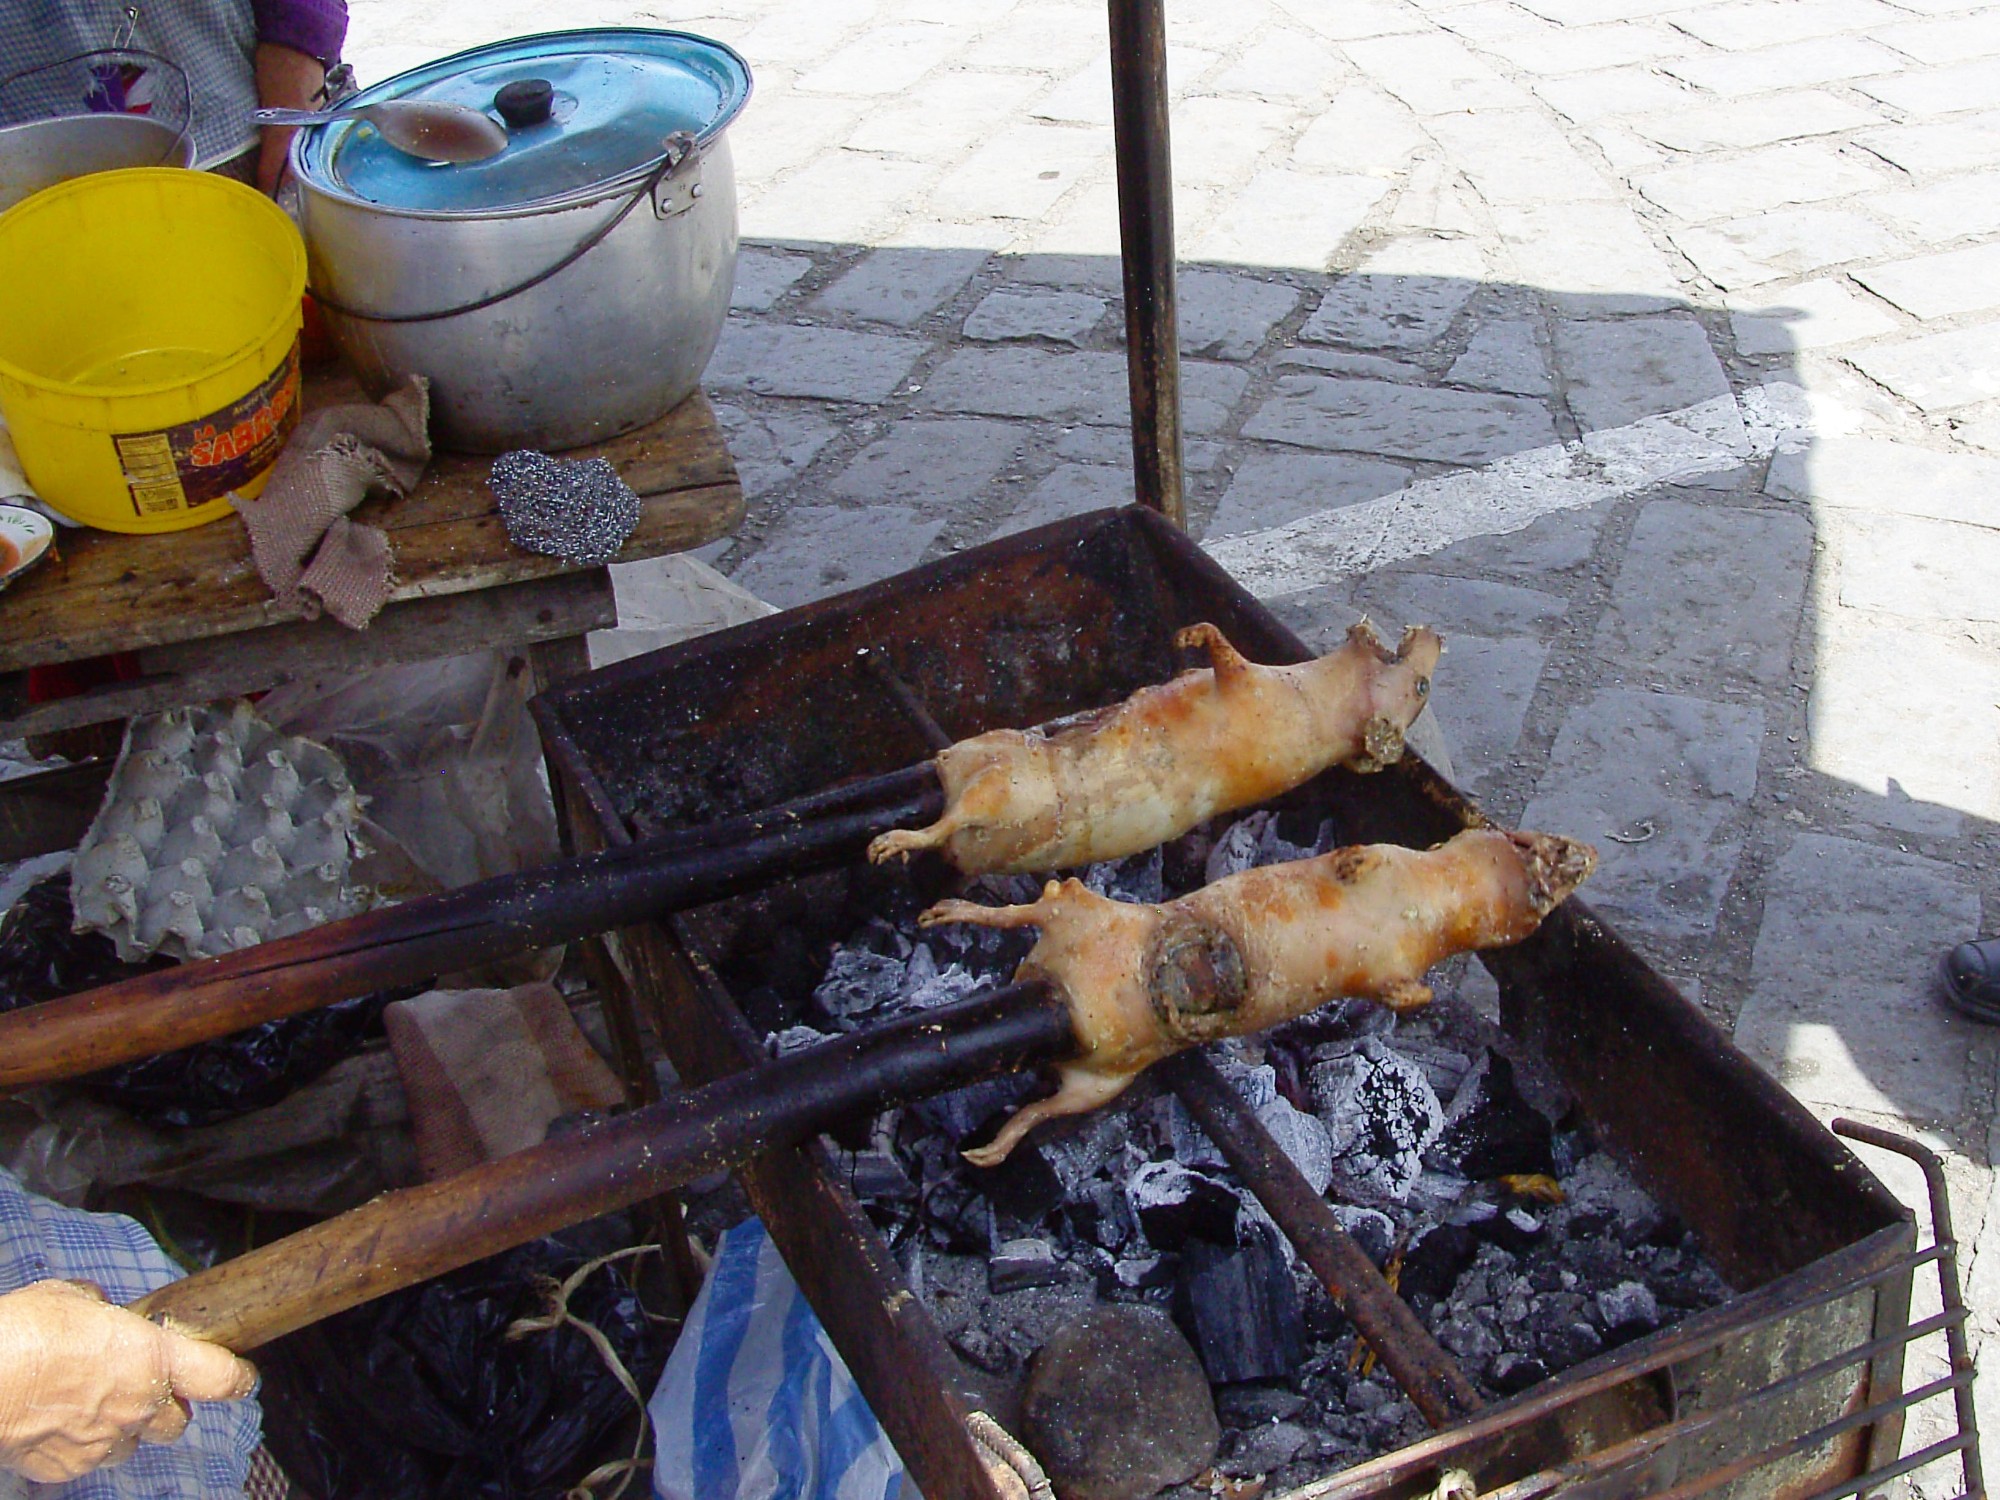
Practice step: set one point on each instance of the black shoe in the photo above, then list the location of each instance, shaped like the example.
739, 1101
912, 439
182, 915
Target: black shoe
1971, 975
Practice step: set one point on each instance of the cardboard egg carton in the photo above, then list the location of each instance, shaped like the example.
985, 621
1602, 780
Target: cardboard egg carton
216, 833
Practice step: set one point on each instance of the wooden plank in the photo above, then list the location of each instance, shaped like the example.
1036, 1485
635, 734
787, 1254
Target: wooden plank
109, 592
199, 671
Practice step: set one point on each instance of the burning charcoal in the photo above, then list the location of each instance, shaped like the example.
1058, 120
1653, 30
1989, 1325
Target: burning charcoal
959, 1114
1446, 1069
1303, 1138
877, 1177
1258, 1085
1627, 1310
1024, 1263
795, 1039
1144, 1273
1599, 1187
1601, 1262
857, 983
1433, 1265
1381, 1116
1242, 1307
1690, 1286
1250, 1404
1023, 1186
1259, 1450
1116, 1408
1514, 1230
1468, 1338
1174, 1205
1512, 1373
1569, 1343
957, 1217
1373, 1230
1251, 841
1492, 1130
1137, 877
1102, 1214
982, 1350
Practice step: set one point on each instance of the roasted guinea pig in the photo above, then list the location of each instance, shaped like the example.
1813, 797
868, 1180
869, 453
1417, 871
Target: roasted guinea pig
1120, 780
1265, 946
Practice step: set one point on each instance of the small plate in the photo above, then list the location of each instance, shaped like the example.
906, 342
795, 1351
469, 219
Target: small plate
26, 538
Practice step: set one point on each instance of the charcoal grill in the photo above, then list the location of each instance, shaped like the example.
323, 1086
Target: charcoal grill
1792, 1388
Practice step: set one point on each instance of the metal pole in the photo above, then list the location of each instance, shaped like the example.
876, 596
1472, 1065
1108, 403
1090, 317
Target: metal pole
1146, 236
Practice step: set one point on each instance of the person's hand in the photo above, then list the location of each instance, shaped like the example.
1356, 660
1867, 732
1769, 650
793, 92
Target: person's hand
83, 1383
285, 80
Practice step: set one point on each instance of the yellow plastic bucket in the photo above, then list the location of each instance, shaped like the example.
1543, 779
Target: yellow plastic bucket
149, 334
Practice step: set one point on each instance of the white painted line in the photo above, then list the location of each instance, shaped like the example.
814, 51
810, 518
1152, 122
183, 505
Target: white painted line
1506, 495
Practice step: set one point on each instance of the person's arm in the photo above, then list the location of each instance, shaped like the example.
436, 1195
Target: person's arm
297, 41
83, 1383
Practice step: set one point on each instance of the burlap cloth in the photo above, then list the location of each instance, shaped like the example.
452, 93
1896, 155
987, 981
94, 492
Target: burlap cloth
488, 1071
307, 550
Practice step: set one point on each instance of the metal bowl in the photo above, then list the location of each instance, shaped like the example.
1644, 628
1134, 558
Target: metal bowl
43, 153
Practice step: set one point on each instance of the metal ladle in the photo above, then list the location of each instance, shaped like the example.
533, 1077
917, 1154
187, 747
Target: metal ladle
426, 128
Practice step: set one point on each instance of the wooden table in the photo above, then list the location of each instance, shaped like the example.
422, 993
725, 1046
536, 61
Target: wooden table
190, 606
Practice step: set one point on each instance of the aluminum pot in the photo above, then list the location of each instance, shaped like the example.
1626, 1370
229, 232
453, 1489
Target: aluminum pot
567, 290
42, 153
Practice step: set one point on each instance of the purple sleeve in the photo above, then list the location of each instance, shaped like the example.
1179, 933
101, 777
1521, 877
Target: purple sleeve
314, 27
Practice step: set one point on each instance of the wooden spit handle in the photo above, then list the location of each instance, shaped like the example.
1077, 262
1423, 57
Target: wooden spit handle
172, 1008
409, 1236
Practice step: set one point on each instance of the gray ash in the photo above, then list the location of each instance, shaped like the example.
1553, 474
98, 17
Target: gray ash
1406, 1127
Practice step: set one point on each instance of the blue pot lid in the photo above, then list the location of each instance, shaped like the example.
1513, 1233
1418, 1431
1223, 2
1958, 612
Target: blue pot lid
619, 92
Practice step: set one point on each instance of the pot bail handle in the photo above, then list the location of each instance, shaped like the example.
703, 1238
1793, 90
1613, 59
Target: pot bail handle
679, 147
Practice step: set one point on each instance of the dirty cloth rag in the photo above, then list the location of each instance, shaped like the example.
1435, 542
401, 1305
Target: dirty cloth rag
488, 1071
307, 550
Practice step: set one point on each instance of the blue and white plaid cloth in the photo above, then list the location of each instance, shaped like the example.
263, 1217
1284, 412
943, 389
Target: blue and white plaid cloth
755, 1402
40, 1240
213, 42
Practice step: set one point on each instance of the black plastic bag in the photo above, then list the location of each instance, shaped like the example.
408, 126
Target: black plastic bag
42, 959
421, 1394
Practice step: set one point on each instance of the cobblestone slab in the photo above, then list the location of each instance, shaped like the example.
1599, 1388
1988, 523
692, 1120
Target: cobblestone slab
1618, 372
1479, 606
772, 448
1067, 317
1902, 712
1598, 250
1080, 387
1940, 91
1708, 594
1760, 120
900, 287
1223, 316
1771, 177
1590, 97
1916, 569
1657, 782
883, 61
1372, 416
1793, 65
1895, 478
1810, 315
932, 464
817, 550
1946, 39
1363, 130
762, 277
1503, 356
1782, 243
1948, 210
1511, 157
1068, 490
1270, 489
1283, 217
847, 198
1434, 74
825, 364
1944, 146
942, 117
1746, 25
1937, 286
1842, 1008
1938, 371
1386, 312
1480, 696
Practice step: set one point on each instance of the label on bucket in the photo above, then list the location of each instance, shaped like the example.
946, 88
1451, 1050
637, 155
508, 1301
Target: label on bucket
181, 467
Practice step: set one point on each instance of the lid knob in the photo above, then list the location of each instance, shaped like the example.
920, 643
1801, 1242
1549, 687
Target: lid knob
525, 101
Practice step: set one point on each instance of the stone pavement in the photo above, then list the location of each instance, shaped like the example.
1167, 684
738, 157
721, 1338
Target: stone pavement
1651, 350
